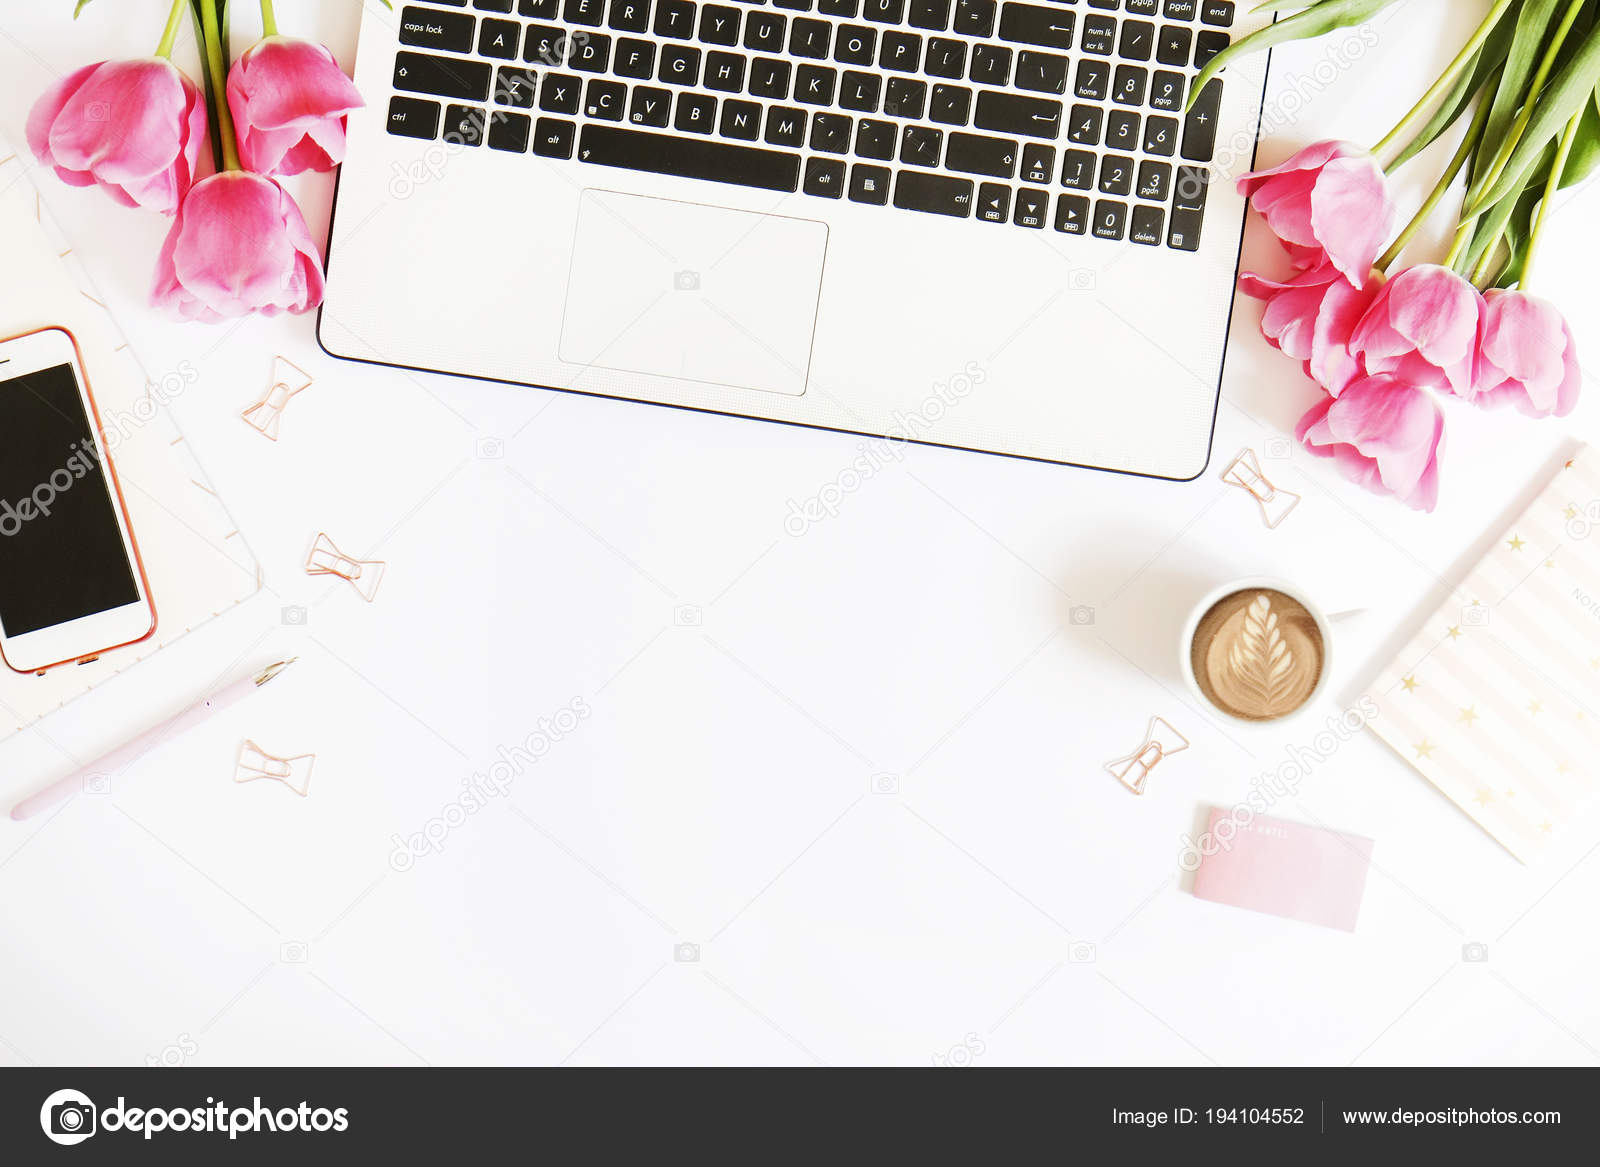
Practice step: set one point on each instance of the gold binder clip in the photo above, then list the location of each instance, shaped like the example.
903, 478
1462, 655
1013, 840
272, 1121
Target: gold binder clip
1161, 740
363, 575
288, 379
1276, 503
254, 763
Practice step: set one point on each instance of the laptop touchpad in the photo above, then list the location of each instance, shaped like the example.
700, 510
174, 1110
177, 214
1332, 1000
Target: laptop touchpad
691, 291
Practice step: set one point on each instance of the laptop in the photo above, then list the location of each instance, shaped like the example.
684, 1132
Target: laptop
983, 224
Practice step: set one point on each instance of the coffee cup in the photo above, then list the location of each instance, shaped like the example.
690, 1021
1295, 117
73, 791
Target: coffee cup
1258, 651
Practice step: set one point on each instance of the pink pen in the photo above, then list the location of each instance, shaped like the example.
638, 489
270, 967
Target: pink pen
120, 759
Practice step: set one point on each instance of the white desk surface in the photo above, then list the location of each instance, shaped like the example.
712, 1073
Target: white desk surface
748, 688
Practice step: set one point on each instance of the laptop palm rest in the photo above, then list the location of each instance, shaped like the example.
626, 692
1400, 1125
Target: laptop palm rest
695, 292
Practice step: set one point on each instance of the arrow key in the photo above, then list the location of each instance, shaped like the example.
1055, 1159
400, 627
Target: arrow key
994, 202
1032, 207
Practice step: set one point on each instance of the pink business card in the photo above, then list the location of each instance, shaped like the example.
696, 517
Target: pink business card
1283, 868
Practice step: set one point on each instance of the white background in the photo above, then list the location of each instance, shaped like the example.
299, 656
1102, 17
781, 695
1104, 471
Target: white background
751, 691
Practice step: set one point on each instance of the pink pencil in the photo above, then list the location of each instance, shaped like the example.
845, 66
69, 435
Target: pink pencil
125, 756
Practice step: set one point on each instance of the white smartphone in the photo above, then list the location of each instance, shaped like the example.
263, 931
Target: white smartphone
71, 582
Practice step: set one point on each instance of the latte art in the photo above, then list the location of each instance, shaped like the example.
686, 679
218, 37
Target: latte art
1258, 654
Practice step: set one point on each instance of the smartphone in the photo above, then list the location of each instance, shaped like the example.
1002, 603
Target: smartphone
71, 582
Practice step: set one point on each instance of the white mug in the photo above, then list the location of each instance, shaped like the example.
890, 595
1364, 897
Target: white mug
1222, 592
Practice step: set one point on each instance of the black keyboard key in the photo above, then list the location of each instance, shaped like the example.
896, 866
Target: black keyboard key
500, 39
974, 17
649, 106
921, 146
410, 117
510, 132
636, 58
1173, 47
785, 126
1207, 45
741, 119
1083, 126
875, 139
1032, 24
552, 138
1116, 175
884, 11
946, 58
680, 65
854, 44
1093, 82
931, 14
1146, 226
1130, 85
905, 98
991, 65
724, 71
901, 51
769, 77
583, 12
1032, 207
1041, 72
814, 84
860, 91
675, 18
545, 44
697, 113
1144, 7
702, 158
1189, 191
1166, 91
1161, 136
974, 154
1077, 170
719, 24
484, 5
514, 86
1183, 233
809, 38
1200, 127
559, 93
762, 31
1072, 214
1099, 36
1155, 181
1217, 12
830, 132
604, 99
428, 28
824, 178
1012, 113
936, 194
443, 76
1178, 9
869, 184
1038, 163
629, 15
590, 54
1122, 130
1110, 219
994, 202
950, 105
797, 5
845, 9
1138, 40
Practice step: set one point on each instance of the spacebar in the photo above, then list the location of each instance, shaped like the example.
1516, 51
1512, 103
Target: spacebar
690, 158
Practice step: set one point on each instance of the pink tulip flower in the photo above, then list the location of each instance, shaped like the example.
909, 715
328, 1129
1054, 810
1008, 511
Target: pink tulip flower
1312, 316
1384, 435
239, 245
1424, 327
1528, 358
290, 100
1330, 200
135, 128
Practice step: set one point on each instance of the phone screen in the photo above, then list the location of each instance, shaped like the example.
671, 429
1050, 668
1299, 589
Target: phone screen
61, 551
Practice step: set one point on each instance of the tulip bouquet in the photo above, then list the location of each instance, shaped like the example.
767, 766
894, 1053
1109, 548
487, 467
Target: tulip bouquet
1385, 341
209, 158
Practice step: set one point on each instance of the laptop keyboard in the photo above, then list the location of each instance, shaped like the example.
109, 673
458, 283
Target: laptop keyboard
1066, 115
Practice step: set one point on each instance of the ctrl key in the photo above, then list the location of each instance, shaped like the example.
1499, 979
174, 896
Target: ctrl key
410, 117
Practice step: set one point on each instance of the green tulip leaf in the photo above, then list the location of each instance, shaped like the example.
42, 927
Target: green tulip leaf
1317, 20
1489, 58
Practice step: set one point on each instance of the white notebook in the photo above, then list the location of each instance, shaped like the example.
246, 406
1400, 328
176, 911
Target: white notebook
197, 562
1496, 701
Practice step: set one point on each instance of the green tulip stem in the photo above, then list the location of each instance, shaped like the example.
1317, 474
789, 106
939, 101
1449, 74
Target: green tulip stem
269, 19
170, 36
1446, 79
217, 67
1468, 144
1550, 189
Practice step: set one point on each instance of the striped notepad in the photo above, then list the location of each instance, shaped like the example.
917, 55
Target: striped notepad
1496, 701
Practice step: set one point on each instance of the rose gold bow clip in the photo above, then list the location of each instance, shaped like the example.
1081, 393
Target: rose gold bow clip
288, 379
1160, 741
363, 575
1276, 503
255, 763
